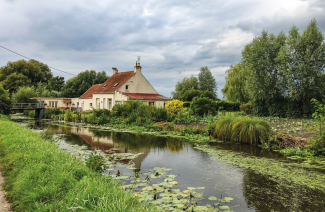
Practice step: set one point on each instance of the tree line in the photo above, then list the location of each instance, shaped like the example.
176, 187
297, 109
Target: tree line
280, 74
25, 79
204, 85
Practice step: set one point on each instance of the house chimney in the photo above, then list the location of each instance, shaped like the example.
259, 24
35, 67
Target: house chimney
115, 71
137, 68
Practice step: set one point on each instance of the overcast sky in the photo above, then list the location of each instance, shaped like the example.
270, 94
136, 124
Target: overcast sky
173, 37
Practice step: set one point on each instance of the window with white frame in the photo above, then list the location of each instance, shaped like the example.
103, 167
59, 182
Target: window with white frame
53, 103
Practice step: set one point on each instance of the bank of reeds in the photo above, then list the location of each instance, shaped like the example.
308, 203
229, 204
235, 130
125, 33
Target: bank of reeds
242, 129
40, 177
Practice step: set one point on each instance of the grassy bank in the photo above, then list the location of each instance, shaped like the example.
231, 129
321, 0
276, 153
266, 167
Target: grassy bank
40, 177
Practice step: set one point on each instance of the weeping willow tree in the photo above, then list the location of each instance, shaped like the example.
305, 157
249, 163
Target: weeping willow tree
234, 89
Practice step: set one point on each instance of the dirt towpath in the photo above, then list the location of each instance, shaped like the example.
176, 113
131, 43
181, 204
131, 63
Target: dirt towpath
4, 205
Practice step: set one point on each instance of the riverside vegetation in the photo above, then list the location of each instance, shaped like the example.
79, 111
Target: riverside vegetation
41, 177
191, 122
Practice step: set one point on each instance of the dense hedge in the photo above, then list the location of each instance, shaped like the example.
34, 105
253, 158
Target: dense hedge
228, 106
280, 107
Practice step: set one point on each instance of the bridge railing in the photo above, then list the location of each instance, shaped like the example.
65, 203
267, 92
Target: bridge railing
27, 105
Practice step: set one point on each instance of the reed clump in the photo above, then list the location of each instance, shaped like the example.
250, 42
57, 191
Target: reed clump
242, 129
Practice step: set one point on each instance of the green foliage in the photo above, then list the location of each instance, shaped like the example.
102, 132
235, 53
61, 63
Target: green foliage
247, 108
296, 151
100, 112
302, 62
24, 93
204, 105
103, 119
96, 162
23, 73
317, 143
173, 107
190, 94
234, 89
250, 130
209, 94
56, 83
68, 115
283, 73
41, 177
47, 134
188, 83
242, 129
207, 81
5, 101
78, 85
227, 106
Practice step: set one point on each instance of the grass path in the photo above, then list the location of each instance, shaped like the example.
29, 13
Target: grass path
4, 205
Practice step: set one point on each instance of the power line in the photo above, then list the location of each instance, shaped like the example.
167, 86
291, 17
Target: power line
38, 61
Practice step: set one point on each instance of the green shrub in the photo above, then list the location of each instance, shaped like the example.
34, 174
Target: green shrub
250, 130
68, 115
102, 119
204, 105
92, 119
100, 112
242, 129
5, 101
247, 108
95, 162
228, 106
31, 113
224, 127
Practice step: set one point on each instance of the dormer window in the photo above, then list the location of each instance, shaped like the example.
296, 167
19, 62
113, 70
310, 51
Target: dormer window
104, 85
115, 85
127, 87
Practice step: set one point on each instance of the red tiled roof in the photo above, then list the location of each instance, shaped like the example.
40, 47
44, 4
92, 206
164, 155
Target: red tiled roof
153, 96
119, 79
91, 90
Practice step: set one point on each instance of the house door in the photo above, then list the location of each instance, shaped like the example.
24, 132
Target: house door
98, 103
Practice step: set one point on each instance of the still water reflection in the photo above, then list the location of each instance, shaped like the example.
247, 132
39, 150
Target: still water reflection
251, 191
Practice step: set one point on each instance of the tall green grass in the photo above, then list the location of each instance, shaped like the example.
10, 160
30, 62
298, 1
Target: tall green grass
40, 177
242, 129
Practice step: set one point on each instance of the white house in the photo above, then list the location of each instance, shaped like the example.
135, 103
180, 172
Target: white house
120, 87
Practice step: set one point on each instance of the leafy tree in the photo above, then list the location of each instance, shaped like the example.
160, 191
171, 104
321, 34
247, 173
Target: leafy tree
188, 83
204, 105
23, 73
78, 85
5, 101
302, 64
56, 83
234, 89
173, 107
190, 94
207, 81
24, 94
208, 94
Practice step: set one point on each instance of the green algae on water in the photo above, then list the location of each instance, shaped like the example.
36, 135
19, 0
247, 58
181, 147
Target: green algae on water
281, 171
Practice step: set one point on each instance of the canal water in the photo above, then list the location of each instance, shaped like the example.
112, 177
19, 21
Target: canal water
247, 189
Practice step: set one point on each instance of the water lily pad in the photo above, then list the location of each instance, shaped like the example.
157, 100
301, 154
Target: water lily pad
173, 183
229, 198
187, 191
212, 198
224, 207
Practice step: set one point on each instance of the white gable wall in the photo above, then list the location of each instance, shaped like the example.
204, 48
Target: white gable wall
138, 84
